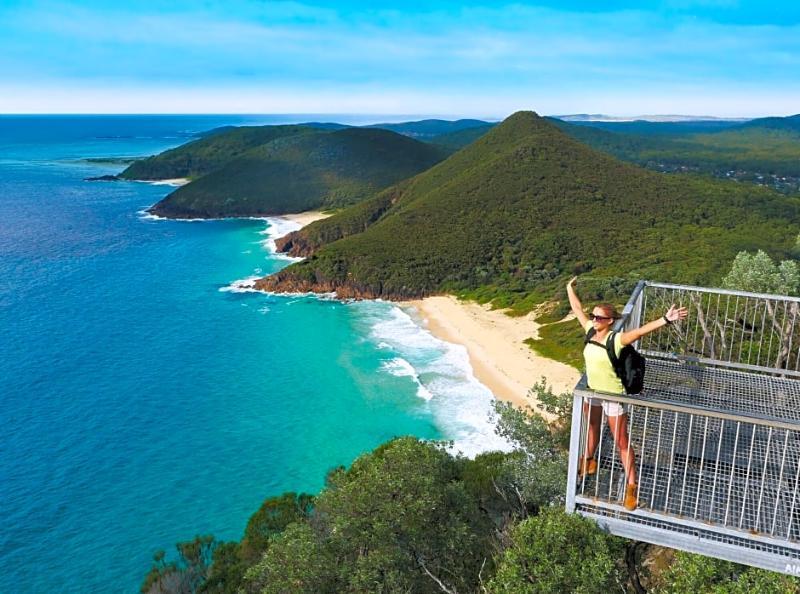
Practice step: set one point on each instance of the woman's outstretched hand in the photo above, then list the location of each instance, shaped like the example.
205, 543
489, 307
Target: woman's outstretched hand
571, 282
674, 314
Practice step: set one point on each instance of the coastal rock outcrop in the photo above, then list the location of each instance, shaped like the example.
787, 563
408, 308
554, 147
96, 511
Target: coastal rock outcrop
283, 282
110, 178
295, 244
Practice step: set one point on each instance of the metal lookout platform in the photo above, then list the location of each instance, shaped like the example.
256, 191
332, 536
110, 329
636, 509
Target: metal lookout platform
715, 433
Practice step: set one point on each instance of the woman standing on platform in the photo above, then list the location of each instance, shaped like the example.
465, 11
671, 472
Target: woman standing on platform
602, 377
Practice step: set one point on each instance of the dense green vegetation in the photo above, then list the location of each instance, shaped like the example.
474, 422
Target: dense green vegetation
746, 148
302, 172
560, 341
412, 517
764, 151
461, 138
524, 207
431, 129
209, 153
256, 170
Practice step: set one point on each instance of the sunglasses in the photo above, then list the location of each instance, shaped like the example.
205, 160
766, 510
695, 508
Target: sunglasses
593, 317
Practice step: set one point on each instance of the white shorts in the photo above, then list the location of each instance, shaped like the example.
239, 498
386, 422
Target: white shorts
612, 409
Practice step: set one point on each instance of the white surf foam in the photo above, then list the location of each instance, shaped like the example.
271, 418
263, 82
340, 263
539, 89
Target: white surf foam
460, 404
399, 367
173, 183
278, 227
146, 215
245, 285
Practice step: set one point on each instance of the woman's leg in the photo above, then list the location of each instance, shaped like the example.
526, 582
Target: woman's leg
619, 429
593, 434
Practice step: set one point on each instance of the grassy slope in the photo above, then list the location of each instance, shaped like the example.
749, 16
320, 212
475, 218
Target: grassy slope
302, 172
525, 206
211, 152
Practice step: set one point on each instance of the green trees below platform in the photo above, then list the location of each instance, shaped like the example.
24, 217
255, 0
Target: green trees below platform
412, 516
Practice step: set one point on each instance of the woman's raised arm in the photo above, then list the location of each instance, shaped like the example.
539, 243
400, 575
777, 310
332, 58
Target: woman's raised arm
575, 303
673, 315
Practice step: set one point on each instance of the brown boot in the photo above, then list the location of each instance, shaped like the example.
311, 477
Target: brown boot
630, 501
587, 466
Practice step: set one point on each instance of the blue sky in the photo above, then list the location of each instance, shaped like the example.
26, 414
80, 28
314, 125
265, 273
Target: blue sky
709, 57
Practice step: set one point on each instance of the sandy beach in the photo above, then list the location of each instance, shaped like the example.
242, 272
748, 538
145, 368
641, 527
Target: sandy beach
500, 359
175, 181
305, 218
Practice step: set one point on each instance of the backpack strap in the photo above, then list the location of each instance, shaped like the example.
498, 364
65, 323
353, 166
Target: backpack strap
589, 335
612, 352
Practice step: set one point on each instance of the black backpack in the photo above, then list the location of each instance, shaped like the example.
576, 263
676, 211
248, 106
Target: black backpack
629, 366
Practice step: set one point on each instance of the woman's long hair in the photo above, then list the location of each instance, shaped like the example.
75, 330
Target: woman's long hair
609, 310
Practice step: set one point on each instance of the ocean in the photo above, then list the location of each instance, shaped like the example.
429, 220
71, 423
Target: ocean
146, 397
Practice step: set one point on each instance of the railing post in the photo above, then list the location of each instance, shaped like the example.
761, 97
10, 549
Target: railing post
574, 451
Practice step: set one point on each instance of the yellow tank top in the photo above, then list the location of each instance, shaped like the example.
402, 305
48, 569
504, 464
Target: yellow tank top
599, 371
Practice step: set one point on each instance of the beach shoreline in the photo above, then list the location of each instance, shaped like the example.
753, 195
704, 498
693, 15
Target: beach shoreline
175, 182
304, 218
495, 343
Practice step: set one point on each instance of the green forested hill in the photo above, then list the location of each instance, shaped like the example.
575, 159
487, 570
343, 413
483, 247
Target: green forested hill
791, 123
765, 151
208, 153
429, 129
302, 172
461, 138
526, 205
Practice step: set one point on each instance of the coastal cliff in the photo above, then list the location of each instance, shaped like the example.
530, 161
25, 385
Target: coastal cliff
294, 244
344, 289
351, 221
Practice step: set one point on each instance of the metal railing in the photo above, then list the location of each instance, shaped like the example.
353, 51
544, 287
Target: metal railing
714, 436
734, 329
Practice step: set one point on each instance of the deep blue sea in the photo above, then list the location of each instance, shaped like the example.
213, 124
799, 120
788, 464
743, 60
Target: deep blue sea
144, 397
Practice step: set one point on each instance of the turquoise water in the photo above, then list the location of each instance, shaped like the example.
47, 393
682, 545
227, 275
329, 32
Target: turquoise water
145, 398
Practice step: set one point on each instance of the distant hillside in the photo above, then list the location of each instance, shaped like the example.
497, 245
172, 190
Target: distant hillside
216, 148
428, 129
599, 117
302, 172
789, 123
461, 138
662, 128
764, 151
523, 208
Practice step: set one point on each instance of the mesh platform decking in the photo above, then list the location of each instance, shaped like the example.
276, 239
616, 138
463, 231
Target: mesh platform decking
715, 433
722, 390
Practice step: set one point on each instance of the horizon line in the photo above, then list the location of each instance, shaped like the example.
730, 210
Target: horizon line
611, 117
